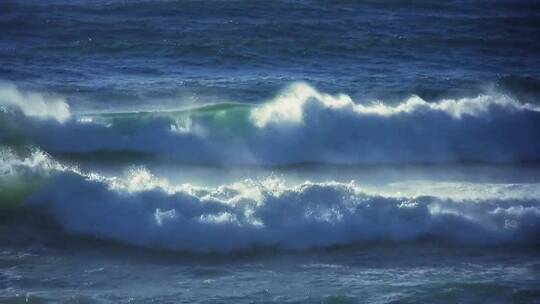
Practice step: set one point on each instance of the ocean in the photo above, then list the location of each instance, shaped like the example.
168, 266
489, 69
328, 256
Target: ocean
212, 151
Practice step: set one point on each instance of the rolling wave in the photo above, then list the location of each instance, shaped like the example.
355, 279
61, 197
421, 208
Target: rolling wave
300, 125
141, 209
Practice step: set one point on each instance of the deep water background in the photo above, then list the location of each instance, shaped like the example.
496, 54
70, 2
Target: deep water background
115, 54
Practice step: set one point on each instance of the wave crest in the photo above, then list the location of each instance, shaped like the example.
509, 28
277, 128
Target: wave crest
302, 125
300, 98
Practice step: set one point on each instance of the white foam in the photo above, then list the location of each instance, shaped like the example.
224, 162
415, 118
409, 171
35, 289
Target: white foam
33, 104
37, 160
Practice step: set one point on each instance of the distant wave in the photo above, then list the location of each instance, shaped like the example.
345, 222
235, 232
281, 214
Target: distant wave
143, 210
300, 125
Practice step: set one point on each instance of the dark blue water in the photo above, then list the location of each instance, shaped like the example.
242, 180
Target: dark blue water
106, 53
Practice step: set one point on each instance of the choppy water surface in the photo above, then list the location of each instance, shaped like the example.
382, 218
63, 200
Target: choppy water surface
376, 273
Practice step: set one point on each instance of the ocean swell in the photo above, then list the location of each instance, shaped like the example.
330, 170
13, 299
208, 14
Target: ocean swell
300, 125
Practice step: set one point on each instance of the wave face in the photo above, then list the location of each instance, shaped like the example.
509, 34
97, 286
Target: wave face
300, 125
143, 210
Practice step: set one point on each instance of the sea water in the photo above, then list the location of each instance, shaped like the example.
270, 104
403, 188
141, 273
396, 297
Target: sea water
269, 152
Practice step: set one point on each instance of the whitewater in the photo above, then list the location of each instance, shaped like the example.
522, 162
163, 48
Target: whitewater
141, 209
300, 125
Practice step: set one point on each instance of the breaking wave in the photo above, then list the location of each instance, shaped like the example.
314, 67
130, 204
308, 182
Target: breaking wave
300, 125
141, 209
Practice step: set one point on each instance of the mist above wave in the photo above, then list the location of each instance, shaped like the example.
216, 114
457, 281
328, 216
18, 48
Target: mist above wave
300, 125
